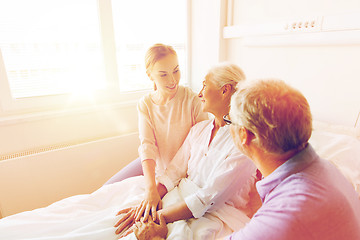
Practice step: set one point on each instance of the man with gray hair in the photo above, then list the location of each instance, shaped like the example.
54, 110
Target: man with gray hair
303, 196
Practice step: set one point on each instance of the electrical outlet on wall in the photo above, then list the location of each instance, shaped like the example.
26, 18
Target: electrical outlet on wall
304, 25
327, 29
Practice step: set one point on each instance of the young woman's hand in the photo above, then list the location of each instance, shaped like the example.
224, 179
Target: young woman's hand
149, 205
126, 220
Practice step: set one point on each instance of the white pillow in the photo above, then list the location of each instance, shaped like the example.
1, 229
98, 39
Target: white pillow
334, 128
342, 150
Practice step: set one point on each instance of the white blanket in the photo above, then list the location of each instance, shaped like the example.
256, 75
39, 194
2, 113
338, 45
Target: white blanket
92, 216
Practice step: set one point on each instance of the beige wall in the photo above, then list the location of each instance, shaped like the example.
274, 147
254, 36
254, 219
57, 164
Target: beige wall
250, 11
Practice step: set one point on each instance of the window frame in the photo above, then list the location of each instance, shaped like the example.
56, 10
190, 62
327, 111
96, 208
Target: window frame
111, 95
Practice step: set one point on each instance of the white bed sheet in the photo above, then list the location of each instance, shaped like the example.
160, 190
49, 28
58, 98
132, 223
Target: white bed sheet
88, 216
92, 216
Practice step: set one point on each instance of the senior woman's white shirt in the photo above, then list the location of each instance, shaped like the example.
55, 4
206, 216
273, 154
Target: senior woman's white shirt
222, 173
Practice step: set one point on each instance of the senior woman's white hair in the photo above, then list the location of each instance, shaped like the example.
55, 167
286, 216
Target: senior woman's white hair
226, 73
278, 115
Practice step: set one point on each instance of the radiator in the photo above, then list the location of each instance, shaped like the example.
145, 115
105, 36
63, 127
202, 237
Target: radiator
39, 177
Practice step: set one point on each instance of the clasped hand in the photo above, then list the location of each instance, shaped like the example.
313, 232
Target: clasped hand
148, 207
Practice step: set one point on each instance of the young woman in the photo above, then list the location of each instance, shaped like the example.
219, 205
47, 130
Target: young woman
165, 118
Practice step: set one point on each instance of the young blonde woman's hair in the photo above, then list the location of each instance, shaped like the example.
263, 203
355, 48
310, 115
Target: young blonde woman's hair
277, 114
226, 73
155, 53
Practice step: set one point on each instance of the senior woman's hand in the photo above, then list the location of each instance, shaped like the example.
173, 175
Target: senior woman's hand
151, 230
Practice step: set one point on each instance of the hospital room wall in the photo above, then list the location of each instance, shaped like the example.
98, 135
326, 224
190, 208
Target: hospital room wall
326, 72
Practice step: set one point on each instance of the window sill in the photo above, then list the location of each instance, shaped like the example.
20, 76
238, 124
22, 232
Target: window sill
122, 101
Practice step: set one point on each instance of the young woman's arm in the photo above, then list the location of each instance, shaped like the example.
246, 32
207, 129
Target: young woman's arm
152, 200
148, 151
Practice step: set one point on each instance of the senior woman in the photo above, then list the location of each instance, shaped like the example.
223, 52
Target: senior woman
212, 176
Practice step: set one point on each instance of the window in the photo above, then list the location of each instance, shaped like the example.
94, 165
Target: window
73, 47
48, 49
140, 24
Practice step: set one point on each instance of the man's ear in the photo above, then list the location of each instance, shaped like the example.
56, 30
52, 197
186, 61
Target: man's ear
245, 136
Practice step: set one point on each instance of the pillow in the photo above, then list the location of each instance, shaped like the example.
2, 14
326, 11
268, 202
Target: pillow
342, 150
335, 128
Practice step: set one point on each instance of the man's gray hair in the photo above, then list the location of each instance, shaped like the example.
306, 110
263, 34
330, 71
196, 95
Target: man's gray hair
277, 114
